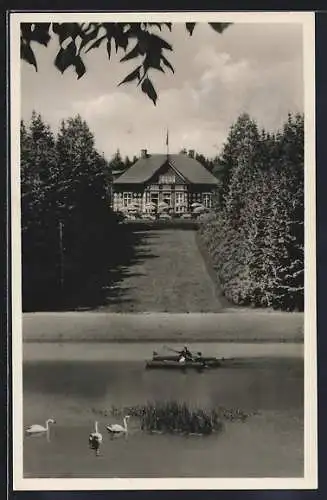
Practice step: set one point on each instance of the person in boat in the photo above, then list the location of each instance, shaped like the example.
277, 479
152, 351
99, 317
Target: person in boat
185, 355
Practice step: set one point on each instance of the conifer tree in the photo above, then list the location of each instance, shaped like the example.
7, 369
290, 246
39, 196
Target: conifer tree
67, 222
83, 203
256, 236
39, 250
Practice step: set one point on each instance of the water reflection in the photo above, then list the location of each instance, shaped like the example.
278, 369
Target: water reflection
40, 435
105, 383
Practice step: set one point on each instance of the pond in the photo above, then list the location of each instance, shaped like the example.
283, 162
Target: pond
79, 383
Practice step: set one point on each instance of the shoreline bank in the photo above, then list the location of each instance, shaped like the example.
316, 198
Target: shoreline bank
244, 327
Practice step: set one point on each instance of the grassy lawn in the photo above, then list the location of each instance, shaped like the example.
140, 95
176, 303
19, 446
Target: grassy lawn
242, 326
168, 274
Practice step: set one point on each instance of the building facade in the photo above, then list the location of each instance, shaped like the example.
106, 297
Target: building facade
171, 181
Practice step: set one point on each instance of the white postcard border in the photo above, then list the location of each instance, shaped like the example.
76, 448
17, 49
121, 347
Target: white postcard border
309, 481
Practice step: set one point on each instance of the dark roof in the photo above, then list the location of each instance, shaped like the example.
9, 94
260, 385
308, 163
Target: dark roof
145, 168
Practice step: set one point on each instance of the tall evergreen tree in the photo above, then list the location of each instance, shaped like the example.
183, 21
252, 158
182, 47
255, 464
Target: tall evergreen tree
256, 237
83, 202
289, 289
39, 249
66, 216
38, 158
117, 164
127, 163
238, 156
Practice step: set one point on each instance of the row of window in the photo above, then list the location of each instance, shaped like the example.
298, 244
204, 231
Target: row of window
167, 185
180, 198
167, 179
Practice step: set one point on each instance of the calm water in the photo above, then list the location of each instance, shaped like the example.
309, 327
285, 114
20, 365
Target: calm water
76, 383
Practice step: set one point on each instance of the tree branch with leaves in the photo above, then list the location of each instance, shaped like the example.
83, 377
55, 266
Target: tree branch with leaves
139, 41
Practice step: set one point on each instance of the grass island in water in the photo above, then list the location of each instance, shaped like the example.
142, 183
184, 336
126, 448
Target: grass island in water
177, 417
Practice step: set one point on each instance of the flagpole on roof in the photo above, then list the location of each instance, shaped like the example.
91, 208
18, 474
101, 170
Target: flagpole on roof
167, 142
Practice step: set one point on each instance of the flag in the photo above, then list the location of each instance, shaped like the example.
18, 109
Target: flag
167, 139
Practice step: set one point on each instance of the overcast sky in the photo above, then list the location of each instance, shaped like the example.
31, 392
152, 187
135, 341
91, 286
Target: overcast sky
254, 68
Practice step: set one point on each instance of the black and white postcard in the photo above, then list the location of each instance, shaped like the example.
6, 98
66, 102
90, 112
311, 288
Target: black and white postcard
163, 250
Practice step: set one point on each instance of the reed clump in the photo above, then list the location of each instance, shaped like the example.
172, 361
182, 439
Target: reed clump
174, 417
227, 414
179, 417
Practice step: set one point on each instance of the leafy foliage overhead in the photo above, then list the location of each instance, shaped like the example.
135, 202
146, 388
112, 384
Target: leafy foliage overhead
139, 41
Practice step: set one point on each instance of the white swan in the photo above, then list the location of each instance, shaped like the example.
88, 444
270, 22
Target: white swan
118, 429
38, 429
95, 438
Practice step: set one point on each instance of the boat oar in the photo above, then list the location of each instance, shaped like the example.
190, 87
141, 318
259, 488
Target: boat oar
170, 349
174, 350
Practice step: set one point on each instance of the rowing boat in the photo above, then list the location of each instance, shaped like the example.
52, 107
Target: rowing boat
174, 364
157, 357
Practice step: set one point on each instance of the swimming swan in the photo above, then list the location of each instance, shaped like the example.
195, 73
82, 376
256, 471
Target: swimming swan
95, 438
116, 428
37, 429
